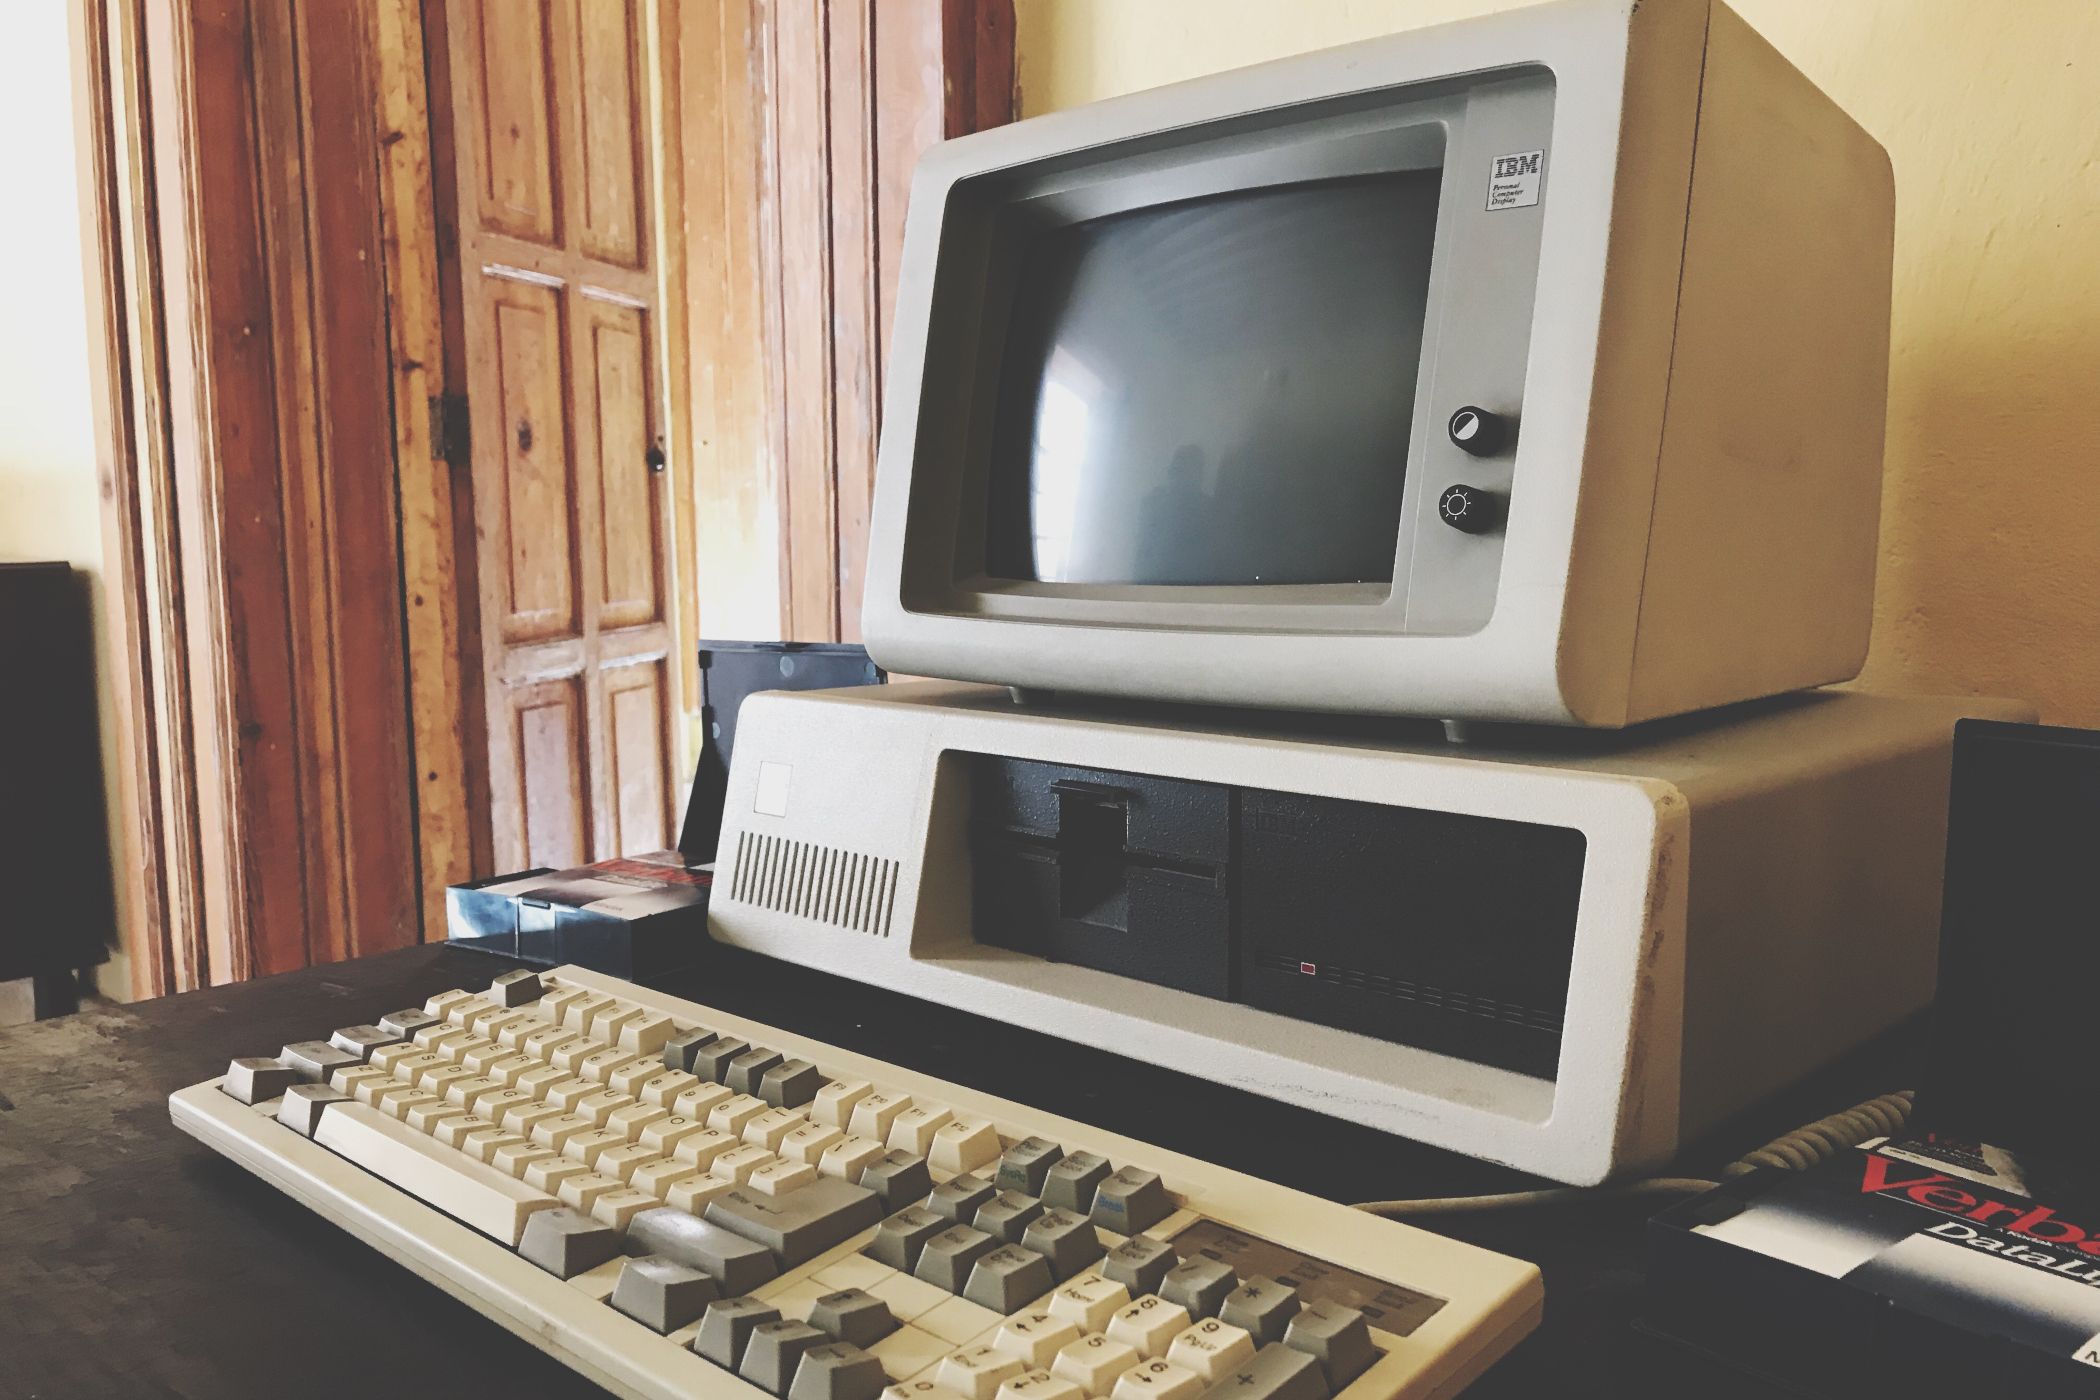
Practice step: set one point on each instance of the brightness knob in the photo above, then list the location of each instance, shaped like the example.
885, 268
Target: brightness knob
1470, 509
1479, 432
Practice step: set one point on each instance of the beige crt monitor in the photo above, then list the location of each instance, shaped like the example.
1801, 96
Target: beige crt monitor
1530, 367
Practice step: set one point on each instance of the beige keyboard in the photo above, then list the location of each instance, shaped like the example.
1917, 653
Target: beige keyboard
675, 1201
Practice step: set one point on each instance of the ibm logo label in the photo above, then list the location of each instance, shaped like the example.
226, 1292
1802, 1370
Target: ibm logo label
1514, 180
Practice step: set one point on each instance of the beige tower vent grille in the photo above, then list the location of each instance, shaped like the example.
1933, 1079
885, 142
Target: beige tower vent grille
832, 886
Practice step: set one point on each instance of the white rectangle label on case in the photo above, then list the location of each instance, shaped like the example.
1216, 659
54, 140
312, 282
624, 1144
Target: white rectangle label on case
1514, 180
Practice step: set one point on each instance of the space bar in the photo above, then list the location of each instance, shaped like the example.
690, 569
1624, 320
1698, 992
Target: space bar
456, 1184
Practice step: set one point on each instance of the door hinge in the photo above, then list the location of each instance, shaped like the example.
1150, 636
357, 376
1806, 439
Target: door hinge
451, 439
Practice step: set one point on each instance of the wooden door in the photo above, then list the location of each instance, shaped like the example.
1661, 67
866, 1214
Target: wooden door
556, 258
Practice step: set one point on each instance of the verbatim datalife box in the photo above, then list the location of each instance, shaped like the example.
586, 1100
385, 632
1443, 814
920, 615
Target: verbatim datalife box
1569, 957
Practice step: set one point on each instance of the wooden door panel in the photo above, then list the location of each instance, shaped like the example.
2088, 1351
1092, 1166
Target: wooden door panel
534, 495
547, 735
613, 369
609, 171
635, 724
510, 83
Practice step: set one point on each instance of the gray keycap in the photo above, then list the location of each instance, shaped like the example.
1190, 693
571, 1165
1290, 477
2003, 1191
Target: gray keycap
949, 1256
1071, 1182
801, 1224
1275, 1373
837, 1371
258, 1079
736, 1263
1007, 1215
791, 1084
1262, 1306
711, 1061
852, 1315
516, 988
662, 1295
681, 1050
1131, 1199
1140, 1264
567, 1242
300, 1108
726, 1328
1068, 1241
900, 1238
748, 1069
314, 1060
898, 1177
1335, 1336
1200, 1284
959, 1197
1009, 1278
407, 1022
773, 1352
1026, 1165
361, 1041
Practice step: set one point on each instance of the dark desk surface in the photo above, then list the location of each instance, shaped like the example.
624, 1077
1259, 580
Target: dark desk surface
139, 1263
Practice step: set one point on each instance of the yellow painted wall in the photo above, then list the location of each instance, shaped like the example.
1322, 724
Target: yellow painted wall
1990, 110
48, 497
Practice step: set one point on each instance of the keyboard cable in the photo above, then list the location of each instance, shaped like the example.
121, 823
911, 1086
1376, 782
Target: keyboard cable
1798, 1150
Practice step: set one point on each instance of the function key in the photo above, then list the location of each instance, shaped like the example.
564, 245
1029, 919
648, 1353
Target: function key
835, 1102
964, 1145
516, 988
1071, 1182
876, 1114
1200, 1284
790, 1084
1130, 1200
1026, 1165
914, 1129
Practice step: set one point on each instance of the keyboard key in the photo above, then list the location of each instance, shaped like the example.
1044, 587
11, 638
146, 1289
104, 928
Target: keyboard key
736, 1263
876, 1114
1040, 1385
835, 1102
922, 1390
1158, 1380
1007, 1215
305, 1106
703, 1147
1067, 1240
622, 1204
1140, 1264
524, 1116
849, 1157
659, 1090
600, 1106
406, 1023
598, 1066
914, 1129
391, 1057
801, 1224
361, 1082
467, 1190
733, 1114
565, 1094
900, 1238
647, 1035
1036, 1337
511, 1158
770, 1128
548, 1173
693, 1193
516, 988
441, 1004
777, 1177
713, 1059
1089, 1300
1212, 1349
361, 1041
809, 1142
567, 1242
1071, 1182
667, 1132
454, 1131
469, 1014
1261, 1305
314, 1060
1199, 1284
257, 1079
582, 1192
899, 1177
1131, 1199
634, 1118
659, 1174
555, 1132
606, 1024
467, 1090
1093, 1363
1008, 1279
1150, 1324
852, 1315
960, 1197
773, 1352
1275, 1373
629, 1078
976, 1373
700, 1100
726, 1328
1335, 1336
748, 1069
681, 1049
552, 1005
963, 1145
1026, 1165
837, 1371
948, 1257
622, 1161
578, 1014
738, 1163
790, 1084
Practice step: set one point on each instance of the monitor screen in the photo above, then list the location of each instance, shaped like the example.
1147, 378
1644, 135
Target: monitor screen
1218, 391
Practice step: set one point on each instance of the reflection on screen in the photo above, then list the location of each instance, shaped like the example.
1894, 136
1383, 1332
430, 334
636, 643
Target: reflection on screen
1218, 391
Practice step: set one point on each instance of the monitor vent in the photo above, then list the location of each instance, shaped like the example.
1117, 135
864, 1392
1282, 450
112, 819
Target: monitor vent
831, 886
1422, 994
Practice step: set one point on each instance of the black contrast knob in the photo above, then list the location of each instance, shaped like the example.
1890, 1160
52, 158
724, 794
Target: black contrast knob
1470, 509
1478, 431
